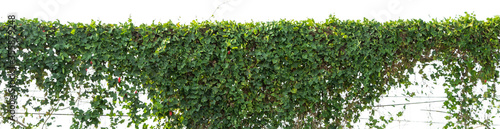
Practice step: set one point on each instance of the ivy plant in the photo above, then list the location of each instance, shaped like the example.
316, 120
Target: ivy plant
224, 74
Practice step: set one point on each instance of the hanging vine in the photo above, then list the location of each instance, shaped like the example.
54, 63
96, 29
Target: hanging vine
225, 74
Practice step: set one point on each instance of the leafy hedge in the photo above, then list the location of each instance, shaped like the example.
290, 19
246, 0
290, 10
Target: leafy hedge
225, 74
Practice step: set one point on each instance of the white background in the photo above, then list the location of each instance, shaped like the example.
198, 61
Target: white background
184, 11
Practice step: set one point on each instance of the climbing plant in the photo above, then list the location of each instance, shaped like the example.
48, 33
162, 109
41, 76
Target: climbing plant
224, 74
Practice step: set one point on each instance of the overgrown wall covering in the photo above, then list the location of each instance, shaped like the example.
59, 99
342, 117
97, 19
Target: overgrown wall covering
249, 75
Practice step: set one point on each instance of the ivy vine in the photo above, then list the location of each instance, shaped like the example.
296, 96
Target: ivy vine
224, 74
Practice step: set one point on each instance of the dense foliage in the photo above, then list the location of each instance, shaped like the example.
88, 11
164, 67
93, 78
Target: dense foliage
225, 74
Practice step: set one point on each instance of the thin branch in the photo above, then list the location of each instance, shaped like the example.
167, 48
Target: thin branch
62, 114
435, 111
213, 13
433, 122
18, 122
409, 103
50, 114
